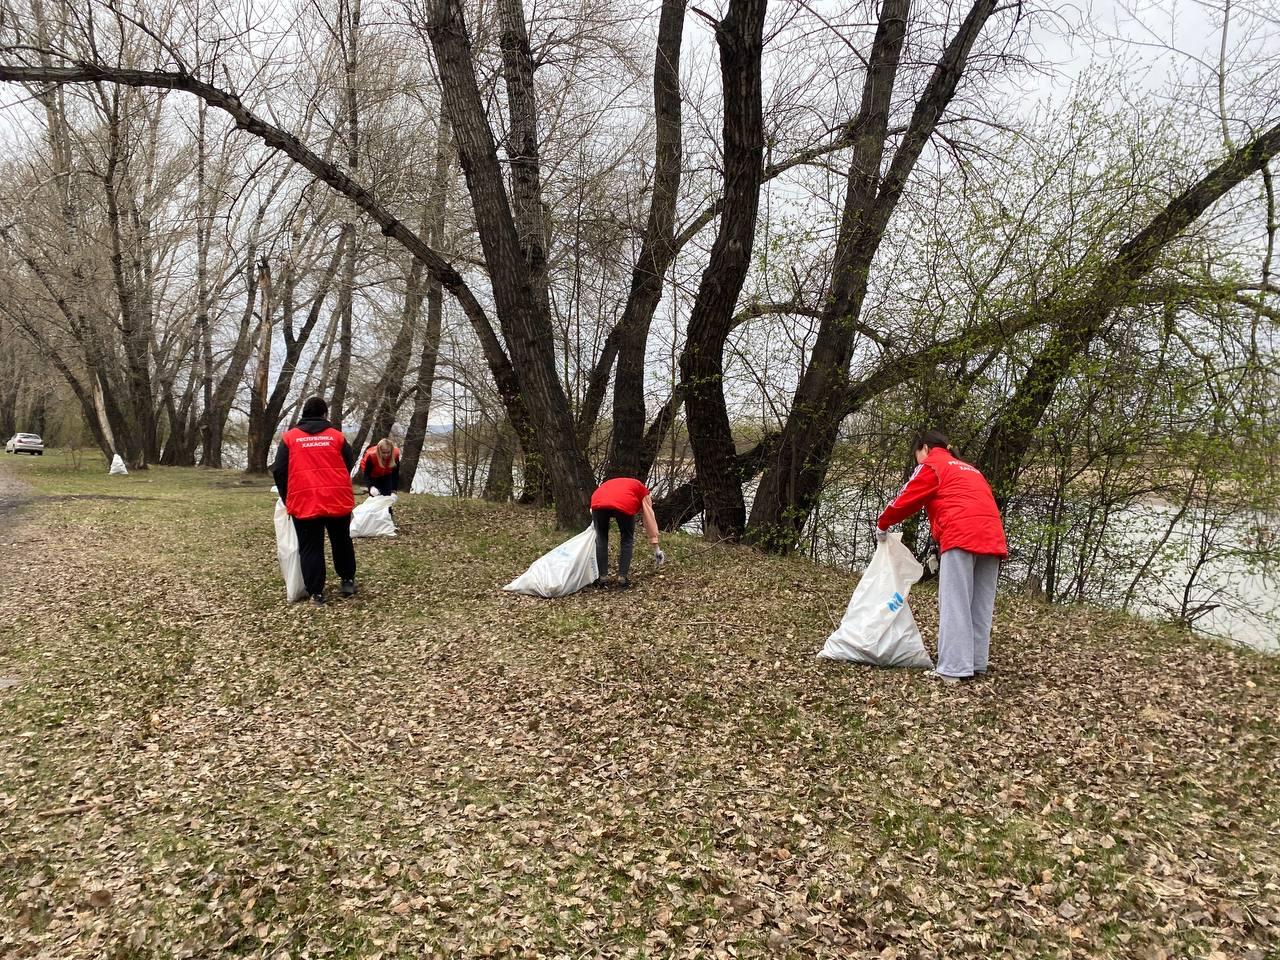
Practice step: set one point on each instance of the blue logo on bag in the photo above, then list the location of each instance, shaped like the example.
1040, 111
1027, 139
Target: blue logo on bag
896, 603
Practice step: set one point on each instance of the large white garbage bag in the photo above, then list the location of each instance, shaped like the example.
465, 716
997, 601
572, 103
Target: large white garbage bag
117, 467
565, 570
373, 518
287, 551
878, 627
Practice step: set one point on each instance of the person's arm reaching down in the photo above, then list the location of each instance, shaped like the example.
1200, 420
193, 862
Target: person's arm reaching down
914, 495
650, 520
651, 528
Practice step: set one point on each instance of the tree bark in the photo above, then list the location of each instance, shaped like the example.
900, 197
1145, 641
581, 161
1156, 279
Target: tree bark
626, 447
498, 484
137, 431
739, 37
255, 457
522, 146
204, 232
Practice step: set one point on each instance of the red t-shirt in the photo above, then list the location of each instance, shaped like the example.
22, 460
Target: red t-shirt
624, 494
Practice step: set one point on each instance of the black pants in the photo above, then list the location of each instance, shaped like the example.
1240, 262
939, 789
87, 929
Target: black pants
626, 527
311, 549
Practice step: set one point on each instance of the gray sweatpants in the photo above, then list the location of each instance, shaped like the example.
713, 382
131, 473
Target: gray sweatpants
966, 601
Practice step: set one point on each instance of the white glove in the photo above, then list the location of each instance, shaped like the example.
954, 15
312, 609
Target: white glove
374, 492
880, 535
659, 558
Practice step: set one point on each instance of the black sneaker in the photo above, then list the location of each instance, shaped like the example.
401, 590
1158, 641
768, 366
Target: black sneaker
348, 588
624, 583
317, 599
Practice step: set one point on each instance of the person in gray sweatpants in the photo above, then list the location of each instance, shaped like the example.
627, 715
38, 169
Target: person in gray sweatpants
965, 520
966, 604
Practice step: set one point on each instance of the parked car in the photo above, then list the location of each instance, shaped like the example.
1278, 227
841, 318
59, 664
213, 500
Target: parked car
25, 443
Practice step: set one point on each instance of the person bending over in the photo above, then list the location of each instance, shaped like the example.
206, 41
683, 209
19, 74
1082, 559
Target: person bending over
381, 467
621, 499
313, 473
965, 522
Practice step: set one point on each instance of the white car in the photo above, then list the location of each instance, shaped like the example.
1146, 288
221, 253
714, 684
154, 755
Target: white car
25, 443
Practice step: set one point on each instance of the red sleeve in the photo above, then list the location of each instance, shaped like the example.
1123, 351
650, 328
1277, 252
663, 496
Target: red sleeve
915, 494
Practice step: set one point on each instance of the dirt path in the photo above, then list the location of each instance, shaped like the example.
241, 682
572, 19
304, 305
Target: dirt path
13, 494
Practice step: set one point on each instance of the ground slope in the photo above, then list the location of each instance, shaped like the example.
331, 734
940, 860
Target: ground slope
191, 768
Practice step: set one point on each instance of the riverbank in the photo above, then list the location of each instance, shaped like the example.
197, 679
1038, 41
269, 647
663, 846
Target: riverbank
438, 768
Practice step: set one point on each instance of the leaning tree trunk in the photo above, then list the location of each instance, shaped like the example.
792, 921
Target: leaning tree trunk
1013, 431
384, 402
433, 227
215, 416
792, 482
346, 308
740, 39
525, 323
522, 146
204, 333
626, 442
416, 433
259, 438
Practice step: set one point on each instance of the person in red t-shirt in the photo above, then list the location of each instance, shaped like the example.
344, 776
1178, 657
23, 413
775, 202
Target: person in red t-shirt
313, 474
621, 499
965, 521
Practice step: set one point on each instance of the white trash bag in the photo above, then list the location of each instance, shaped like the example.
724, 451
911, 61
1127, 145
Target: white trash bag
373, 518
287, 551
565, 570
878, 627
118, 469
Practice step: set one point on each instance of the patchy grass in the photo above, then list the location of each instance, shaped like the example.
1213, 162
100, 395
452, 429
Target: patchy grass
193, 768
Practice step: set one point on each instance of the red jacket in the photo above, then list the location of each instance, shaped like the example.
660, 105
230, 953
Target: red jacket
958, 500
314, 461
373, 467
624, 494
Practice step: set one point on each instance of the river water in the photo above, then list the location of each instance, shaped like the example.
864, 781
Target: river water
1245, 602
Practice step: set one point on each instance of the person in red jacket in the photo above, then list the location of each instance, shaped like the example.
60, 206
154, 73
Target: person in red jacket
313, 474
381, 467
621, 499
965, 521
